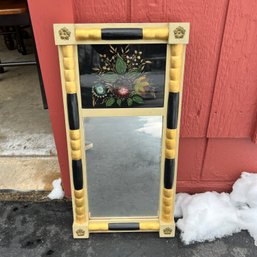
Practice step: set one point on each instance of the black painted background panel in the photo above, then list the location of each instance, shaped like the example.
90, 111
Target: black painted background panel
154, 72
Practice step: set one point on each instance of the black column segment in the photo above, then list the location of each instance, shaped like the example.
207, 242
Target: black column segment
77, 174
123, 226
169, 173
173, 104
119, 34
73, 113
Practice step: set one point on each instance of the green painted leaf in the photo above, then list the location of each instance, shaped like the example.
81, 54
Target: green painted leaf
120, 65
110, 77
138, 99
110, 102
118, 102
129, 101
133, 75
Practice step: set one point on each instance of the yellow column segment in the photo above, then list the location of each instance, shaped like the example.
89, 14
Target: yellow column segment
98, 226
149, 225
88, 34
156, 33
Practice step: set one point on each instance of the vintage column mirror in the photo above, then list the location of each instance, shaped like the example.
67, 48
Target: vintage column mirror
122, 89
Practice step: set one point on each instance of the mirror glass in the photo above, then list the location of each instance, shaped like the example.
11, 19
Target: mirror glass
123, 157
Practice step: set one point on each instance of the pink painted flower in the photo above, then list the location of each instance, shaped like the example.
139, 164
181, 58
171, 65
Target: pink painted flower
122, 91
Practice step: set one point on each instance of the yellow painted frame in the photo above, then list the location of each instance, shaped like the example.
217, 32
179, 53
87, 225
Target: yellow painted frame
67, 37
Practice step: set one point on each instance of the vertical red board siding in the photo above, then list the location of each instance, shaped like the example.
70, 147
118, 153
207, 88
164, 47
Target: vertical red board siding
254, 136
43, 15
191, 150
227, 158
101, 11
234, 108
207, 21
191, 153
219, 79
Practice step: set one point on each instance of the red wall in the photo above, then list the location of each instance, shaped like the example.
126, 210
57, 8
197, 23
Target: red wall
219, 111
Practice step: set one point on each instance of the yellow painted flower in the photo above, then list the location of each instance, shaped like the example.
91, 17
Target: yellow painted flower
141, 85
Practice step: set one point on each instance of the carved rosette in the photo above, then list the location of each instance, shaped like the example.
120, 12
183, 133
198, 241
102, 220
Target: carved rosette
179, 32
64, 33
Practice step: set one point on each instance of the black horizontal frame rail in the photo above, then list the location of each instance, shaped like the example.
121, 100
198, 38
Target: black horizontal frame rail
124, 226
122, 33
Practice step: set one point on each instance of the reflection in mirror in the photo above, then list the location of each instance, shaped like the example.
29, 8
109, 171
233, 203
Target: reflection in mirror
123, 165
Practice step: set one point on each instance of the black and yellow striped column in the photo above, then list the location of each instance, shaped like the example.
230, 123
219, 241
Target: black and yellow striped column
168, 194
74, 134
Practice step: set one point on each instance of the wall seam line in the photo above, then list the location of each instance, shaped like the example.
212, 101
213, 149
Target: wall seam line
213, 92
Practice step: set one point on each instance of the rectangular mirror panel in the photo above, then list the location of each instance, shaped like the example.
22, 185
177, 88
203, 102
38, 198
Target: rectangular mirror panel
123, 165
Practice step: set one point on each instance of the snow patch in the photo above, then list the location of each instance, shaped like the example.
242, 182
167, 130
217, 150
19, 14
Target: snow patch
245, 190
25, 144
210, 215
248, 218
207, 216
57, 192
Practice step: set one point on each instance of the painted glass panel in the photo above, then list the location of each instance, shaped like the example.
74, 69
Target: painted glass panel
122, 76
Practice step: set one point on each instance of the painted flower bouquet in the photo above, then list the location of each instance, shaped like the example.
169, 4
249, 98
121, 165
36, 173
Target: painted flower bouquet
121, 81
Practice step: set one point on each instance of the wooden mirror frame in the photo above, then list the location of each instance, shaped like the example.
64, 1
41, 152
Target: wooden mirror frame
67, 37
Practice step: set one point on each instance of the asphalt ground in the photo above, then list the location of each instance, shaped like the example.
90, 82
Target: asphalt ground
44, 229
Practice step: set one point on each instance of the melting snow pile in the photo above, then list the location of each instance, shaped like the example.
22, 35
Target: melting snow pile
57, 192
212, 215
